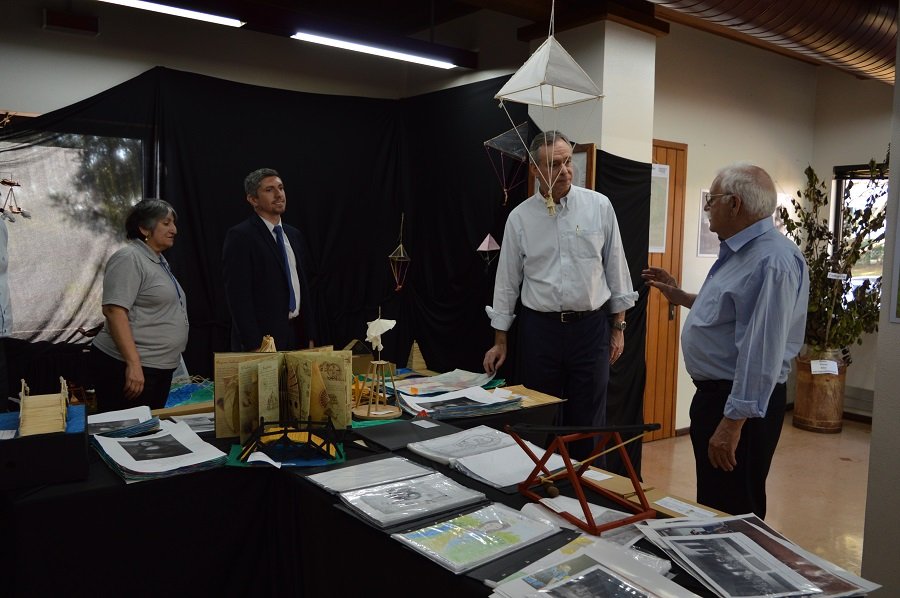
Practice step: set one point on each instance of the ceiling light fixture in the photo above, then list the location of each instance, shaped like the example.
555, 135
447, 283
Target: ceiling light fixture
178, 12
357, 47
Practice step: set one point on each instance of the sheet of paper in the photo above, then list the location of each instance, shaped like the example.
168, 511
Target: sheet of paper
823, 366
686, 509
455, 380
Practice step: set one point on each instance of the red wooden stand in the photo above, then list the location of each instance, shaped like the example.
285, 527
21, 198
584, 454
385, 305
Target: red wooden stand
575, 476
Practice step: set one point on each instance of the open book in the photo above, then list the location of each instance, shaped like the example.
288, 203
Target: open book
485, 454
313, 385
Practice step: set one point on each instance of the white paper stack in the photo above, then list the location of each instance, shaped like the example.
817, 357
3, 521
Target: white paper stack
589, 566
123, 423
742, 556
174, 450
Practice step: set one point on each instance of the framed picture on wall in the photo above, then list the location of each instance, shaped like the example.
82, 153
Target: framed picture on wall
707, 241
584, 158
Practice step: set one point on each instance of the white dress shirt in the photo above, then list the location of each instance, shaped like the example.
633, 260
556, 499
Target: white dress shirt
572, 260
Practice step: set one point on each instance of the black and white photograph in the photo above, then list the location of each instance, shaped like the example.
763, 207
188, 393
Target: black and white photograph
596, 582
155, 448
105, 427
735, 568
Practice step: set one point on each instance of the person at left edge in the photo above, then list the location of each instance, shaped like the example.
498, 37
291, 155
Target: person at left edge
5, 315
253, 267
146, 323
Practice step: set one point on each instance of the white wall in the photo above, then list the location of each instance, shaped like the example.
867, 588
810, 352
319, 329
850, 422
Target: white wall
729, 101
879, 562
852, 126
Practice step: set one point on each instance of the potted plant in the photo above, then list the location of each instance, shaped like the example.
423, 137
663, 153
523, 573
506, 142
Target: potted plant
840, 310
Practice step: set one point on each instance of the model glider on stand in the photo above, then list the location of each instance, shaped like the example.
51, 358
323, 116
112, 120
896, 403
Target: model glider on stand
371, 401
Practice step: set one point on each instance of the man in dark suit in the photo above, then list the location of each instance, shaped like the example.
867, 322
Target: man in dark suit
264, 263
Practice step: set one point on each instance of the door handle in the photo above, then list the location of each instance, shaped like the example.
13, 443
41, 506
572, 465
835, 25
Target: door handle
671, 312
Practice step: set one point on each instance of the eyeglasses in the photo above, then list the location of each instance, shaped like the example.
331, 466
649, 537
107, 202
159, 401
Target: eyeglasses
710, 197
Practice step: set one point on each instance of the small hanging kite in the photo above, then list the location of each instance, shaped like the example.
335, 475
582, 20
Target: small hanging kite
509, 150
488, 250
399, 261
550, 79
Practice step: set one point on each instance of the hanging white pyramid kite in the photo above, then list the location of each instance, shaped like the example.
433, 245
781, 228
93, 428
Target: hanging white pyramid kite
550, 78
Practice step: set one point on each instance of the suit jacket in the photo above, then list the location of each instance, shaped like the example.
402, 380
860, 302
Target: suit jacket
256, 288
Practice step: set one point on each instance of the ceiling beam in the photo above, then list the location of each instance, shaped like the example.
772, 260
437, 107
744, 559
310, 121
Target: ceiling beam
636, 14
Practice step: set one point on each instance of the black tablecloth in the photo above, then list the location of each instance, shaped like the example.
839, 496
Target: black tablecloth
231, 531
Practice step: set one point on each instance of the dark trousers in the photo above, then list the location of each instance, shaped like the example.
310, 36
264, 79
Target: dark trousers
5, 391
571, 361
108, 374
742, 490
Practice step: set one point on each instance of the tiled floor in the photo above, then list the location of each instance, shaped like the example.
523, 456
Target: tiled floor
816, 488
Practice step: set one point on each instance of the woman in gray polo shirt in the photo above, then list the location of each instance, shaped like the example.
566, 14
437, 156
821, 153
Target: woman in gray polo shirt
146, 327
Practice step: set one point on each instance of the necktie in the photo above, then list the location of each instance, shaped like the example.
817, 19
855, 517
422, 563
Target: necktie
279, 236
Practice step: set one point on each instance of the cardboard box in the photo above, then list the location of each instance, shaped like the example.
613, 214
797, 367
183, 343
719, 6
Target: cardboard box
46, 458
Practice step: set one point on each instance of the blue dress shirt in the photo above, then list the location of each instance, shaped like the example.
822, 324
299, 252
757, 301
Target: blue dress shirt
747, 322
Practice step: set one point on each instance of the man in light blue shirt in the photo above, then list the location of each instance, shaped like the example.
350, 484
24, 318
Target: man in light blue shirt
745, 327
562, 252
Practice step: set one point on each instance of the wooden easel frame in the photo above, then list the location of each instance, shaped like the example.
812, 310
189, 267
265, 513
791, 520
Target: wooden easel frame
566, 434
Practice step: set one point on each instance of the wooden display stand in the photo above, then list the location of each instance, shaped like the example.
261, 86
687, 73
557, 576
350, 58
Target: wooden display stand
42, 414
371, 396
574, 471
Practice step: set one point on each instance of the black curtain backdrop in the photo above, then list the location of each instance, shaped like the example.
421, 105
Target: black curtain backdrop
627, 184
353, 168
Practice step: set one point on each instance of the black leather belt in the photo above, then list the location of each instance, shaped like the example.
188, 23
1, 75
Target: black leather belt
713, 385
566, 316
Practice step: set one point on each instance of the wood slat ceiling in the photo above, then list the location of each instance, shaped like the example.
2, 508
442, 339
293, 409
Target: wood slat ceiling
858, 36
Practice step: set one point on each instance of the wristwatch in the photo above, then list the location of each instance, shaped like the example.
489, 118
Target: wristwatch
618, 325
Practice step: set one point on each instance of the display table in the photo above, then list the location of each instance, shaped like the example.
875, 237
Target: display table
231, 531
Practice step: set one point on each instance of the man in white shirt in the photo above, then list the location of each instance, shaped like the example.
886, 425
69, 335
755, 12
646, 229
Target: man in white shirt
562, 253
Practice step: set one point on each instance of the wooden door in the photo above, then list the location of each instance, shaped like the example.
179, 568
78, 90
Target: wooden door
662, 318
